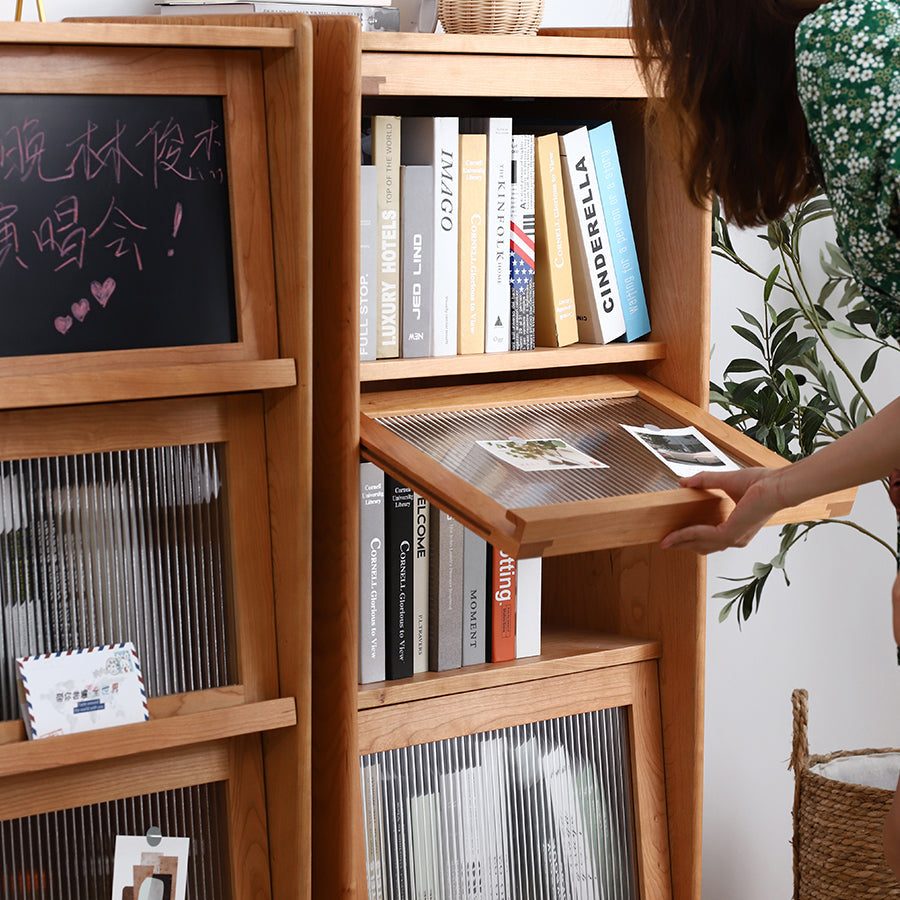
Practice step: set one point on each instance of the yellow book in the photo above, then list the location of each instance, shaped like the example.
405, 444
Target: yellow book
472, 241
555, 320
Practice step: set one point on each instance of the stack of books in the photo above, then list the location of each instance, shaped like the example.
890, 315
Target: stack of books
374, 15
535, 811
434, 595
475, 238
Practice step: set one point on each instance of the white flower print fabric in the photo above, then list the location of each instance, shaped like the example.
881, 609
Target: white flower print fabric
848, 79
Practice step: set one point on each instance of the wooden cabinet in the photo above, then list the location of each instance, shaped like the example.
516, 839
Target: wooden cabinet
623, 622
245, 728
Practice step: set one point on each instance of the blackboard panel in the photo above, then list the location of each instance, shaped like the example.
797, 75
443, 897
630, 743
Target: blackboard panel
114, 223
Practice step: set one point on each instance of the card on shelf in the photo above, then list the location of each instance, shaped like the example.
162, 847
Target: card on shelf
81, 690
150, 867
685, 451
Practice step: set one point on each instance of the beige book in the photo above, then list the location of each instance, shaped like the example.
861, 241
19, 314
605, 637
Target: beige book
472, 241
556, 324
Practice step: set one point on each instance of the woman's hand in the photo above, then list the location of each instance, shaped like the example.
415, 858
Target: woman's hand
757, 497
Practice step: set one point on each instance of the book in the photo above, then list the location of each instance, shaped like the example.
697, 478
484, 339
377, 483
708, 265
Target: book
416, 259
555, 322
528, 607
426, 837
368, 274
615, 209
371, 574
373, 819
597, 302
445, 582
434, 141
372, 17
472, 241
570, 827
421, 530
386, 159
395, 842
398, 530
475, 582
503, 607
497, 259
521, 244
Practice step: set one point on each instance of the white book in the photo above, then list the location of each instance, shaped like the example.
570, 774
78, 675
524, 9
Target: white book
597, 302
572, 839
474, 620
499, 183
417, 259
425, 840
528, 607
386, 158
495, 791
285, 5
421, 563
368, 269
434, 141
371, 574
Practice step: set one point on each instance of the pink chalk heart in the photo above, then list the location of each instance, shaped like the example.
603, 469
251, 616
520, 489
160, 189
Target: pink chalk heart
62, 323
80, 308
102, 292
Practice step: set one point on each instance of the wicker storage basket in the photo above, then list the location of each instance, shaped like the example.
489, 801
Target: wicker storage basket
838, 852
491, 16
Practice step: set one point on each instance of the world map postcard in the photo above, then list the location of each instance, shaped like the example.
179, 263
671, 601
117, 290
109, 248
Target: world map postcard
80, 690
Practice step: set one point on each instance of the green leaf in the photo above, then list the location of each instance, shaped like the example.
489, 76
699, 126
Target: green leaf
770, 282
841, 330
868, 367
749, 336
744, 365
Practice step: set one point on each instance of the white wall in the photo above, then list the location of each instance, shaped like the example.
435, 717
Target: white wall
829, 632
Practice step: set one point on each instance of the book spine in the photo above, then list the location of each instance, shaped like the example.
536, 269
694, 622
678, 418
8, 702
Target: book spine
623, 249
417, 258
421, 567
596, 292
521, 244
555, 320
472, 211
528, 607
497, 300
503, 607
445, 592
368, 255
371, 574
386, 158
474, 637
398, 607
434, 141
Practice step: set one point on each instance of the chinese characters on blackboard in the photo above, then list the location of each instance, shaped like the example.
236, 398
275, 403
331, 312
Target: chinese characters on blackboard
114, 223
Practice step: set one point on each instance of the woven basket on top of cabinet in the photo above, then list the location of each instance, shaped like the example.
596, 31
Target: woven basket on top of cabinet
490, 16
838, 850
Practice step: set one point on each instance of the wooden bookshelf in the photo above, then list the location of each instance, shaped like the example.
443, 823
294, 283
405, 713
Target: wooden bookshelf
623, 621
252, 396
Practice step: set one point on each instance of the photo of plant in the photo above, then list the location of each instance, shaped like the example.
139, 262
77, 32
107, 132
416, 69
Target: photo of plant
540, 454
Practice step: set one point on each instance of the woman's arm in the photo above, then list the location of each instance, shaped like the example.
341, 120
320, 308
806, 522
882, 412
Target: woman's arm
865, 454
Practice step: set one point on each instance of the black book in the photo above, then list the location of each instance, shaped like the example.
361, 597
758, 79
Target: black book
399, 563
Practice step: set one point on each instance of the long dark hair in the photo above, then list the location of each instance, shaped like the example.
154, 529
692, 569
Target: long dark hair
726, 82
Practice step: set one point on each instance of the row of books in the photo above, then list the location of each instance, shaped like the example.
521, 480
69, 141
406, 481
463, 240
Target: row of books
477, 238
374, 15
434, 595
536, 811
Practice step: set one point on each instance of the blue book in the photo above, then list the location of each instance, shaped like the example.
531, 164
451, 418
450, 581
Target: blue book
621, 236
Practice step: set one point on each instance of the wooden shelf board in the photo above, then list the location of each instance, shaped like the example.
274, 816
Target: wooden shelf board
144, 382
515, 361
495, 44
183, 730
563, 653
87, 34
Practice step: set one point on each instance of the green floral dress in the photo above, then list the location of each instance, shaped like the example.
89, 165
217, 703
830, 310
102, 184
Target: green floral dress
848, 77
